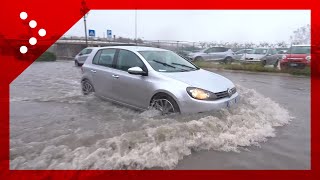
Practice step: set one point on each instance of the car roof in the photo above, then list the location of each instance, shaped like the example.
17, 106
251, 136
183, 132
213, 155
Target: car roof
131, 48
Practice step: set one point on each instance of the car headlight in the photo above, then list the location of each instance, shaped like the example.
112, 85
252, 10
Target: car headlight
284, 57
200, 94
308, 58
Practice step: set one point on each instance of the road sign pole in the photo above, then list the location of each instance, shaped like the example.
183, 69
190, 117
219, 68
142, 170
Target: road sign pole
85, 29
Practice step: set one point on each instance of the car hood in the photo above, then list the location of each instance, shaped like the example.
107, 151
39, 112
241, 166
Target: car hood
202, 79
302, 56
255, 56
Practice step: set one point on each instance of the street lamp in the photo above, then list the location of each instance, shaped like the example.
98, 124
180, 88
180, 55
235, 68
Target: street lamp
83, 11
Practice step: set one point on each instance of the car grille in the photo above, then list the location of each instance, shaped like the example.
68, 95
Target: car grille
225, 94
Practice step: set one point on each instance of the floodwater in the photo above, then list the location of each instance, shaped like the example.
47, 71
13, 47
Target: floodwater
54, 126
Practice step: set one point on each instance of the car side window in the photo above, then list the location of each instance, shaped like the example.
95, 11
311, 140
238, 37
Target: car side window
221, 49
240, 52
272, 51
88, 51
210, 50
85, 51
127, 59
104, 57
96, 57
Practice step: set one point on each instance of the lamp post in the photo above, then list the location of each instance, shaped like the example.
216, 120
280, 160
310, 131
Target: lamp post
83, 11
135, 38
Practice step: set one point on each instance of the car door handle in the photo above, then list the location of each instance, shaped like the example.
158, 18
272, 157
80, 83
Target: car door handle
94, 71
115, 76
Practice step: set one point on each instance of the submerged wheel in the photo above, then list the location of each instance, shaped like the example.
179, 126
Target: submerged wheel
86, 87
165, 104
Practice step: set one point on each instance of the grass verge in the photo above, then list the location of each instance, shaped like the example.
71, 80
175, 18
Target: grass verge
254, 68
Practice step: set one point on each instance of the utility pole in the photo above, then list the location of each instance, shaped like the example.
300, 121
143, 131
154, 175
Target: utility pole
136, 26
83, 11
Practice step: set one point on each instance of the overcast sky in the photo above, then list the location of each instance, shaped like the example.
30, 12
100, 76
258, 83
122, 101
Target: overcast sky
196, 25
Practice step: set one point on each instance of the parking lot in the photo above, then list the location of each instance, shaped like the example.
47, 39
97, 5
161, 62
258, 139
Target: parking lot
53, 126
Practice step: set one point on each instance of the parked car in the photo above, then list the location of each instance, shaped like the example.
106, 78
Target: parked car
265, 56
282, 50
183, 53
298, 56
143, 77
221, 54
81, 57
239, 54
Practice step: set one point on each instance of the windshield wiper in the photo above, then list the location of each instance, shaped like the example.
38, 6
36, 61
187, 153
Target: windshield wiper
163, 63
166, 64
183, 65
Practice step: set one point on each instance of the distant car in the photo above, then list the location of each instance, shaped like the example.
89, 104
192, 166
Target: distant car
183, 53
143, 77
221, 54
81, 57
282, 50
265, 56
239, 54
298, 56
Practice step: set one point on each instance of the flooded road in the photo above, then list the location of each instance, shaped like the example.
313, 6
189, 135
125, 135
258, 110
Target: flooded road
53, 126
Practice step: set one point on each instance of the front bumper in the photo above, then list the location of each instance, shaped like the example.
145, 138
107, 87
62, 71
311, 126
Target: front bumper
250, 60
191, 105
290, 64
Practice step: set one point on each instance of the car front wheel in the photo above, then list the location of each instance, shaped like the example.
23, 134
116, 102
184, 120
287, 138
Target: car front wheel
165, 104
86, 87
228, 60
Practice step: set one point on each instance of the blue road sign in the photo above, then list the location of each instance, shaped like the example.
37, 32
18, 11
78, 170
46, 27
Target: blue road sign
109, 34
92, 33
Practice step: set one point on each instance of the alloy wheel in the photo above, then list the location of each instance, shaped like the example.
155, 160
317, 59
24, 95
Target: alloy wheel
163, 105
87, 88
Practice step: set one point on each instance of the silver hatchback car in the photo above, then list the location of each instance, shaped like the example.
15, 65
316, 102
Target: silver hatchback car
144, 77
220, 54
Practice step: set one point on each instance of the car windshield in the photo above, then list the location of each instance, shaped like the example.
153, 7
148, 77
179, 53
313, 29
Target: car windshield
167, 61
258, 51
299, 50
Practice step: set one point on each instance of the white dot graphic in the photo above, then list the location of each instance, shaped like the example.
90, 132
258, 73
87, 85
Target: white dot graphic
33, 24
33, 41
23, 49
23, 15
42, 32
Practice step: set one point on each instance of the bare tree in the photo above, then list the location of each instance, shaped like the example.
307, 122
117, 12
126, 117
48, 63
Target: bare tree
203, 44
264, 44
301, 35
281, 44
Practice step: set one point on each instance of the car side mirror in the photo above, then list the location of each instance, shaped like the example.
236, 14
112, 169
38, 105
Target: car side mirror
80, 54
137, 71
268, 54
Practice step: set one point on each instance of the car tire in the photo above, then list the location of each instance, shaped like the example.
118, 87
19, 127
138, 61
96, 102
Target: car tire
275, 65
76, 63
199, 58
228, 60
263, 63
165, 104
86, 87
